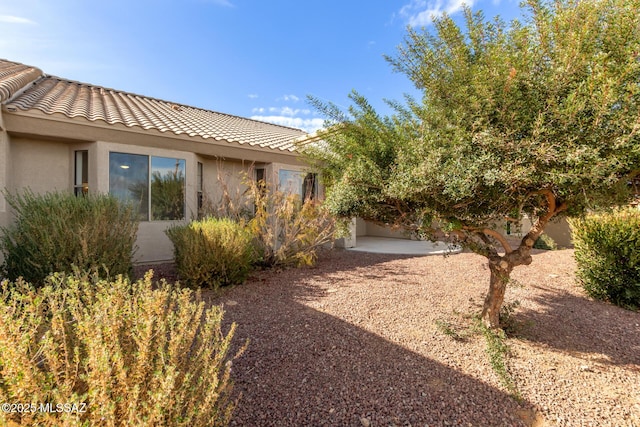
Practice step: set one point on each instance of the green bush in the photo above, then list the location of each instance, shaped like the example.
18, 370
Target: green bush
122, 353
212, 252
545, 242
607, 252
57, 232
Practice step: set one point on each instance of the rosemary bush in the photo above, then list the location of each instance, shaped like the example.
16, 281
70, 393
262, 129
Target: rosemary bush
124, 353
59, 232
212, 252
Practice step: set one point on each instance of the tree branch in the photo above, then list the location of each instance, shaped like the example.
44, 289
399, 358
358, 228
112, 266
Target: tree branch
500, 238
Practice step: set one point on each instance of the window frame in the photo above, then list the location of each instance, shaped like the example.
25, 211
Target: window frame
81, 172
148, 215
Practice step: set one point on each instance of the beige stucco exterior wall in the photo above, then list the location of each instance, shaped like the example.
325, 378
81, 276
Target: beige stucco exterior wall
379, 231
47, 164
153, 244
361, 227
39, 165
221, 173
558, 229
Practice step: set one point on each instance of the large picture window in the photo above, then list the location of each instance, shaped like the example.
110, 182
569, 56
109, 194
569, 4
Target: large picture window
154, 185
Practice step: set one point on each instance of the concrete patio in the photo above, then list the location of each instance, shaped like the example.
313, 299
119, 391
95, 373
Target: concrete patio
388, 245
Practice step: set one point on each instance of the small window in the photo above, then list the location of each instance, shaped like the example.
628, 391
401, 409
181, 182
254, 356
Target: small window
81, 175
200, 190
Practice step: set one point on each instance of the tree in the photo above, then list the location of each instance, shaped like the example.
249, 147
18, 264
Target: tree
534, 118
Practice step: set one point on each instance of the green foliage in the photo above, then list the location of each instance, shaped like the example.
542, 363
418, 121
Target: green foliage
167, 195
59, 232
124, 353
212, 252
498, 352
545, 242
508, 111
607, 252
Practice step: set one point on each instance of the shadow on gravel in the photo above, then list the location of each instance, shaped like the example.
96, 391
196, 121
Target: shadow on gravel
304, 367
584, 326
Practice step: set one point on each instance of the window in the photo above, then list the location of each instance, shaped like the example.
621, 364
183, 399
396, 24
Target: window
131, 176
81, 175
129, 180
300, 183
200, 190
260, 174
167, 188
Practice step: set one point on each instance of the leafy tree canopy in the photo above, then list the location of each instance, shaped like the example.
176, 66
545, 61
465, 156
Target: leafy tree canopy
536, 117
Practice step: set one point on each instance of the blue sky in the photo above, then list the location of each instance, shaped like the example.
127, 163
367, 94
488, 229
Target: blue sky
250, 58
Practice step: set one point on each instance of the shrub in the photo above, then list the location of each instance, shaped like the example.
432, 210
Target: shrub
123, 353
607, 252
212, 252
545, 242
286, 230
59, 232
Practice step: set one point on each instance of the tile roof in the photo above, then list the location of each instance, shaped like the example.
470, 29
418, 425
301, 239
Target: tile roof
53, 95
14, 77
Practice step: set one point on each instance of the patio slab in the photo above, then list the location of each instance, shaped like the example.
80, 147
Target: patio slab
388, 245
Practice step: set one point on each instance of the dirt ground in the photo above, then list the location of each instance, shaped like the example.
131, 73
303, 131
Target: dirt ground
381, 340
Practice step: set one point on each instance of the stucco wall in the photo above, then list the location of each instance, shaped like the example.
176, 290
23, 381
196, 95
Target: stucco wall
44, 165
39, 165
379, 231
223, 176
558, 229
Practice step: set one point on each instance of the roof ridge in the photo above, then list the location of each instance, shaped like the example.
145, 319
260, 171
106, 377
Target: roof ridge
171, 103
24, 76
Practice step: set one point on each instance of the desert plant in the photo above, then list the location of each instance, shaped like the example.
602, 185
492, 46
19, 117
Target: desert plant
494, 134
117, 353
607, 252
212, 252
287, 230
498, 352
57, 232
545, 242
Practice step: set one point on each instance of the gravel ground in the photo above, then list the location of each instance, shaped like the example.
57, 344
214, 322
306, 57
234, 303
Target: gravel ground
358, 341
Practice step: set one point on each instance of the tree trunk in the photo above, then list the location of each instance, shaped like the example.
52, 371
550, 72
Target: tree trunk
495, 296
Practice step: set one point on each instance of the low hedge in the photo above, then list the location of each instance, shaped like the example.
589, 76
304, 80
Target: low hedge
607, 252
212, 252
59, 232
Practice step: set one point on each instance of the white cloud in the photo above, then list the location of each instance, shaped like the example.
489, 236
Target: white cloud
421, 12
253, 95
289, 98
307, 125
284, 111
9, 19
